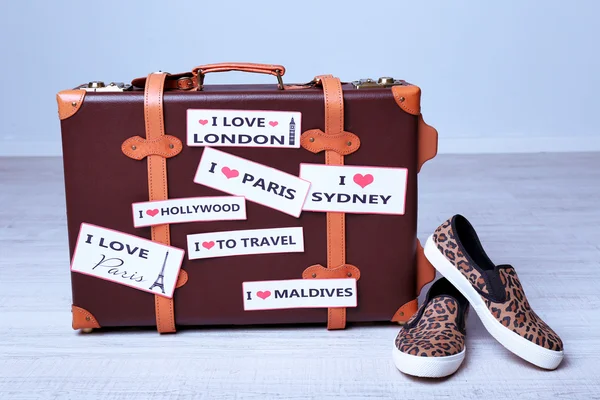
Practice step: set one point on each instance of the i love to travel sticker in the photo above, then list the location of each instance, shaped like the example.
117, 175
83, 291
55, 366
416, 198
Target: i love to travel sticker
256, 182
244, 128
355, 189
299, 293
174, 211
127, 260
252, 241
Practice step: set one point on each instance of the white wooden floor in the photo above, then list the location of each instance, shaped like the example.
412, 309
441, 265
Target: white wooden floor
539, 212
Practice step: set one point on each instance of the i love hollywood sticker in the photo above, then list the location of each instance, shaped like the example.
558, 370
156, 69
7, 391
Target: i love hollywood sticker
127, 260
299, 293
193, 209
355, 189
256, 182
243, 128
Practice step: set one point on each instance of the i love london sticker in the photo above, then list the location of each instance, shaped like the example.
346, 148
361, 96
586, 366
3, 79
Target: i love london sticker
173, 211
256, 182
244, 128
299, 293
127, 260
355, 189
252, 241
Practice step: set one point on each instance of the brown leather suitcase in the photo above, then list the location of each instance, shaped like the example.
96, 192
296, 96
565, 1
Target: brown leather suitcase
125, 144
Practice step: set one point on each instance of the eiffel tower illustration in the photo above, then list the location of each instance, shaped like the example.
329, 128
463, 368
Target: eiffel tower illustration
159, 282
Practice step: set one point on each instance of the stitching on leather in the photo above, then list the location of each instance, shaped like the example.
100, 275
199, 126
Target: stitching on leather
318, 147
171, 314
151, 147
79, 102
72, 110
184, 278
330, 157
86, 314
152, 159
403, 105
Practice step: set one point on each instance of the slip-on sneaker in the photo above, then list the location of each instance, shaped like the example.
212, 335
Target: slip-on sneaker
432, 343
495, 293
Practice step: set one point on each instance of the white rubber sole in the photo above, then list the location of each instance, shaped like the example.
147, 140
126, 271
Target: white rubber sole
529, 351
427, 367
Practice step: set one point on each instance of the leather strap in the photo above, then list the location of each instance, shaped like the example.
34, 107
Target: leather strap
157, 184
336, 221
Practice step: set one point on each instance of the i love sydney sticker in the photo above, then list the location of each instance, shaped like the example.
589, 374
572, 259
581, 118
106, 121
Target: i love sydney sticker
355, 189
253, 241
299, 293
193, 209
243, 128
127, 260
256, 182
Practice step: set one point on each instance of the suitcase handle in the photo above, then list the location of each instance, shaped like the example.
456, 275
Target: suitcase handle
270, 69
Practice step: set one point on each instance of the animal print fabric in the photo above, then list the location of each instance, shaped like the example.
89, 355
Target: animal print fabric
516, 313
446, 243
436, 334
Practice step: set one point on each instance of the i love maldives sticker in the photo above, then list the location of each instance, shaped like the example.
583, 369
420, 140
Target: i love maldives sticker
299, 293
355, 189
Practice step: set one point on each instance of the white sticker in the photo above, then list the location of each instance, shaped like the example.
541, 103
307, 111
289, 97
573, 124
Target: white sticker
173, 211
355, 189
244, 128
256, 182
299, 293
254, 241
126, 259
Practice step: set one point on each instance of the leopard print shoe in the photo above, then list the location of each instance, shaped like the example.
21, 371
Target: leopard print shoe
432, 343
495, 293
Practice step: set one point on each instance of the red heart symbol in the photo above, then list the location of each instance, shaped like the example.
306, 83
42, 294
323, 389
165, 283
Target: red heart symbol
203, 121
230, 173
263, 295
208, 245
273, 123
152, 213
363, 180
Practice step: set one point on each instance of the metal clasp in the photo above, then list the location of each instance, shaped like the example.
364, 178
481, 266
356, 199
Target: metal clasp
382, 82
99, 86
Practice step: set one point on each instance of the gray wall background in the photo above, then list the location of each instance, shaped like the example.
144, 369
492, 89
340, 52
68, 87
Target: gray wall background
502, 76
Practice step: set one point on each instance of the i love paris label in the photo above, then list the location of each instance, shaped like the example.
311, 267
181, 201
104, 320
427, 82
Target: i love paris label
299, 293
244, 128
173, 211
127, 260
256, 182
253, 241
355, 189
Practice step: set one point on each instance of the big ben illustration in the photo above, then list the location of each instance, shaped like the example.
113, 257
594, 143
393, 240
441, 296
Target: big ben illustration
292, 132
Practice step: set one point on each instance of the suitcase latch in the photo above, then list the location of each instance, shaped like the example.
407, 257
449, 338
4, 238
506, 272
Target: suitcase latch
99, 86
382, 82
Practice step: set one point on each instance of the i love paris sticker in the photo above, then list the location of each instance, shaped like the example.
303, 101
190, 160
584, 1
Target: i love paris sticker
127, 260
256, 182
355, 189
299, 293
243, 128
